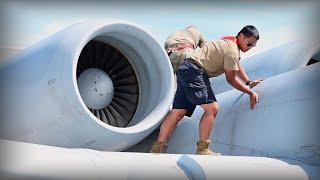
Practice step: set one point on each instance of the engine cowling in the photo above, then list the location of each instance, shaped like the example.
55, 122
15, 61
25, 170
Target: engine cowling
101, 85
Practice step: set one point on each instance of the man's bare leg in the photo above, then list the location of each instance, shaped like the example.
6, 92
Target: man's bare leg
170, 123
207, 120
205, 129
166, 129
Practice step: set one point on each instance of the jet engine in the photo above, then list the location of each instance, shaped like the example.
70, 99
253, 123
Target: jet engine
100, 85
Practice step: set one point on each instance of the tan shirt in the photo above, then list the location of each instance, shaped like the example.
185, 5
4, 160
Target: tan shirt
183, 37
187, 36
218, 55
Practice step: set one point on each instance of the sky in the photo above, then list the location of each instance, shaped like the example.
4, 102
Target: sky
26, 22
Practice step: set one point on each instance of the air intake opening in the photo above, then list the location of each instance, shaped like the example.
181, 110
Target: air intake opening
97, 63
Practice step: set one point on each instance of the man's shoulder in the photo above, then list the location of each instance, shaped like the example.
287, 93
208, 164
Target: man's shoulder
228, 46
218, 44
221, 42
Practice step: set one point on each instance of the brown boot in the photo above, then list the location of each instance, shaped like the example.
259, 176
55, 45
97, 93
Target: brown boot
158, 147
203, 149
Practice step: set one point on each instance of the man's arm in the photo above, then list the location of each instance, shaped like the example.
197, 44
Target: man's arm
242, 74
244, 77
231, 78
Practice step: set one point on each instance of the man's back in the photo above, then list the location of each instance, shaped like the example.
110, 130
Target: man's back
190, 36
216, 55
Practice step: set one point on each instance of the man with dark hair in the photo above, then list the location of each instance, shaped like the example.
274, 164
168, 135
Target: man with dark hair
248, 31
180, 44
193, 86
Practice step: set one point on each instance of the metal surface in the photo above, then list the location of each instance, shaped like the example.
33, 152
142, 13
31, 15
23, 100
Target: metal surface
284, 124
121, 106
278, 60
44, 101
32, 161
41, 95
96, 88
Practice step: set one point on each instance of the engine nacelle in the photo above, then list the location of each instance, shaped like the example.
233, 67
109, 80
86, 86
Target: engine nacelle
95, 85
278, 60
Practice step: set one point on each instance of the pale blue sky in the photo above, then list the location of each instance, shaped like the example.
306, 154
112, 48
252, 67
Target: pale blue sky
26, 22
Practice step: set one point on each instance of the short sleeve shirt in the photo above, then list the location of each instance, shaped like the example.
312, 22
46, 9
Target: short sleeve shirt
218, 55
187, 36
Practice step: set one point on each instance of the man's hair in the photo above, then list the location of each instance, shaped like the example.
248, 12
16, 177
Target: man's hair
249, 31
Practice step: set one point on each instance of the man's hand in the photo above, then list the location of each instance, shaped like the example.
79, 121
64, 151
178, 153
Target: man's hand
255, 82
231, 78
254, 98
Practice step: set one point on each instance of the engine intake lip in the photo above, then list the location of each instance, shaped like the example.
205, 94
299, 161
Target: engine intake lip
153, 75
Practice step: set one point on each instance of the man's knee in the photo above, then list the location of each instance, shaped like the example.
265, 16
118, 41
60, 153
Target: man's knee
178, 113
211, 108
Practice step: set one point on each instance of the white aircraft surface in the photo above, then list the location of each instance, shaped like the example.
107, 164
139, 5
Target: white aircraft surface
86, 103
